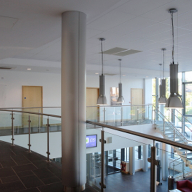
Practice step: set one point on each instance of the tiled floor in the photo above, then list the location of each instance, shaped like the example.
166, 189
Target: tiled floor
27, 172
21, 171
140, 182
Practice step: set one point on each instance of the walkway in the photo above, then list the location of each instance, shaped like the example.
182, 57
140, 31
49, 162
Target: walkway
21, 171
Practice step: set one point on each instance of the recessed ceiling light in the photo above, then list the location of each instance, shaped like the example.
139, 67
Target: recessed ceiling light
146, 76
124, 75
28, 69
96, 73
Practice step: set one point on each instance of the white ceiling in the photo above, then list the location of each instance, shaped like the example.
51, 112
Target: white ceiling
30, 34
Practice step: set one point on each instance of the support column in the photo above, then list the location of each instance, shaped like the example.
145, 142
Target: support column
145, 157
164, 163
132, 160
73, 101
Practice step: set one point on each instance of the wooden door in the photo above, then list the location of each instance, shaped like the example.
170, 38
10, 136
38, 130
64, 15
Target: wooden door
32, 97
91, 103
136, 99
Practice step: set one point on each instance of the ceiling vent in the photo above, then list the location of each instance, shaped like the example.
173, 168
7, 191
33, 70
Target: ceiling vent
120, 51
114, 51
7, 68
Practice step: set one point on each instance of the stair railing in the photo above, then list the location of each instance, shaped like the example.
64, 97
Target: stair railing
171, 126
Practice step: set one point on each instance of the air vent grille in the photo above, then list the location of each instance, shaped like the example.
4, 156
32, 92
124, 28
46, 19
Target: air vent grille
120, 51
114, 51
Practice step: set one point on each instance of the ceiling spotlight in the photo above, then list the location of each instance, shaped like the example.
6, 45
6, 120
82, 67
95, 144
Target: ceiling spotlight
28, 69
174, 100
96, 73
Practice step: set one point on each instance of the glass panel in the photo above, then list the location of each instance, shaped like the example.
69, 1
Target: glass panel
188, 128
92, 113
118, 150
109, 115
5, 123
188, 99
93, 157
188, 76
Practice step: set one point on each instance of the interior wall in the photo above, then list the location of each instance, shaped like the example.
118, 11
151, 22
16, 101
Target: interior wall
11, 87
113, 81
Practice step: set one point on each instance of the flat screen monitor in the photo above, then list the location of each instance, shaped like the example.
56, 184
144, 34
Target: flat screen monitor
91, 141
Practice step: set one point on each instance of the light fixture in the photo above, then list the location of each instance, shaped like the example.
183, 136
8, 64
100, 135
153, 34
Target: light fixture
174, 100
96, 73
102, 100
120, 98
162, 90
28, 69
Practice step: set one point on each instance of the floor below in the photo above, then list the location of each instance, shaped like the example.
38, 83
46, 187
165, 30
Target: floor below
21, 171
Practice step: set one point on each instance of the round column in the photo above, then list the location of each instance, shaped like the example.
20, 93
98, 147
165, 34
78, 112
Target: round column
73, 100
132, 160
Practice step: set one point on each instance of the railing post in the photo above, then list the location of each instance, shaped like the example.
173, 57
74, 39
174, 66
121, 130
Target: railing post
12, 118
102, 161
174, 134
163, 126
153, 174
121, 116
39, 121
148, 111
29, 134
183, 169
104, 115
152, 115
173, 169
48, 153
183, 125
137, 115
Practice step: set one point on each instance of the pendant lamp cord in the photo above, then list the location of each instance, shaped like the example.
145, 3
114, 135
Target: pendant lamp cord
120, 68
102, 55
163, 64
172, 37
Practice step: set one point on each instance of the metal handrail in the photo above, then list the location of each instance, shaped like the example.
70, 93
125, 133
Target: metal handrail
120, 105
27, 107
173, 127
181, 121
183, 116
154, 138
34, 113
173, 161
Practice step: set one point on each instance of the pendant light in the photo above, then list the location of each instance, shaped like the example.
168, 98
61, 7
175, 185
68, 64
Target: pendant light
102, 98
174, 100
162, 98
120, 98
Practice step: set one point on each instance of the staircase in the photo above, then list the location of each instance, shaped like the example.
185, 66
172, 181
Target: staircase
169, 131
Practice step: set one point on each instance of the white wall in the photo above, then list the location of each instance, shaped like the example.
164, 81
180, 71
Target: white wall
113, 81
11, 83
11, 87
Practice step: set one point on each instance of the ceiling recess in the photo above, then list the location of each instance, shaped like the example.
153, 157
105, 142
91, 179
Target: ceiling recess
120, 51
7, 68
